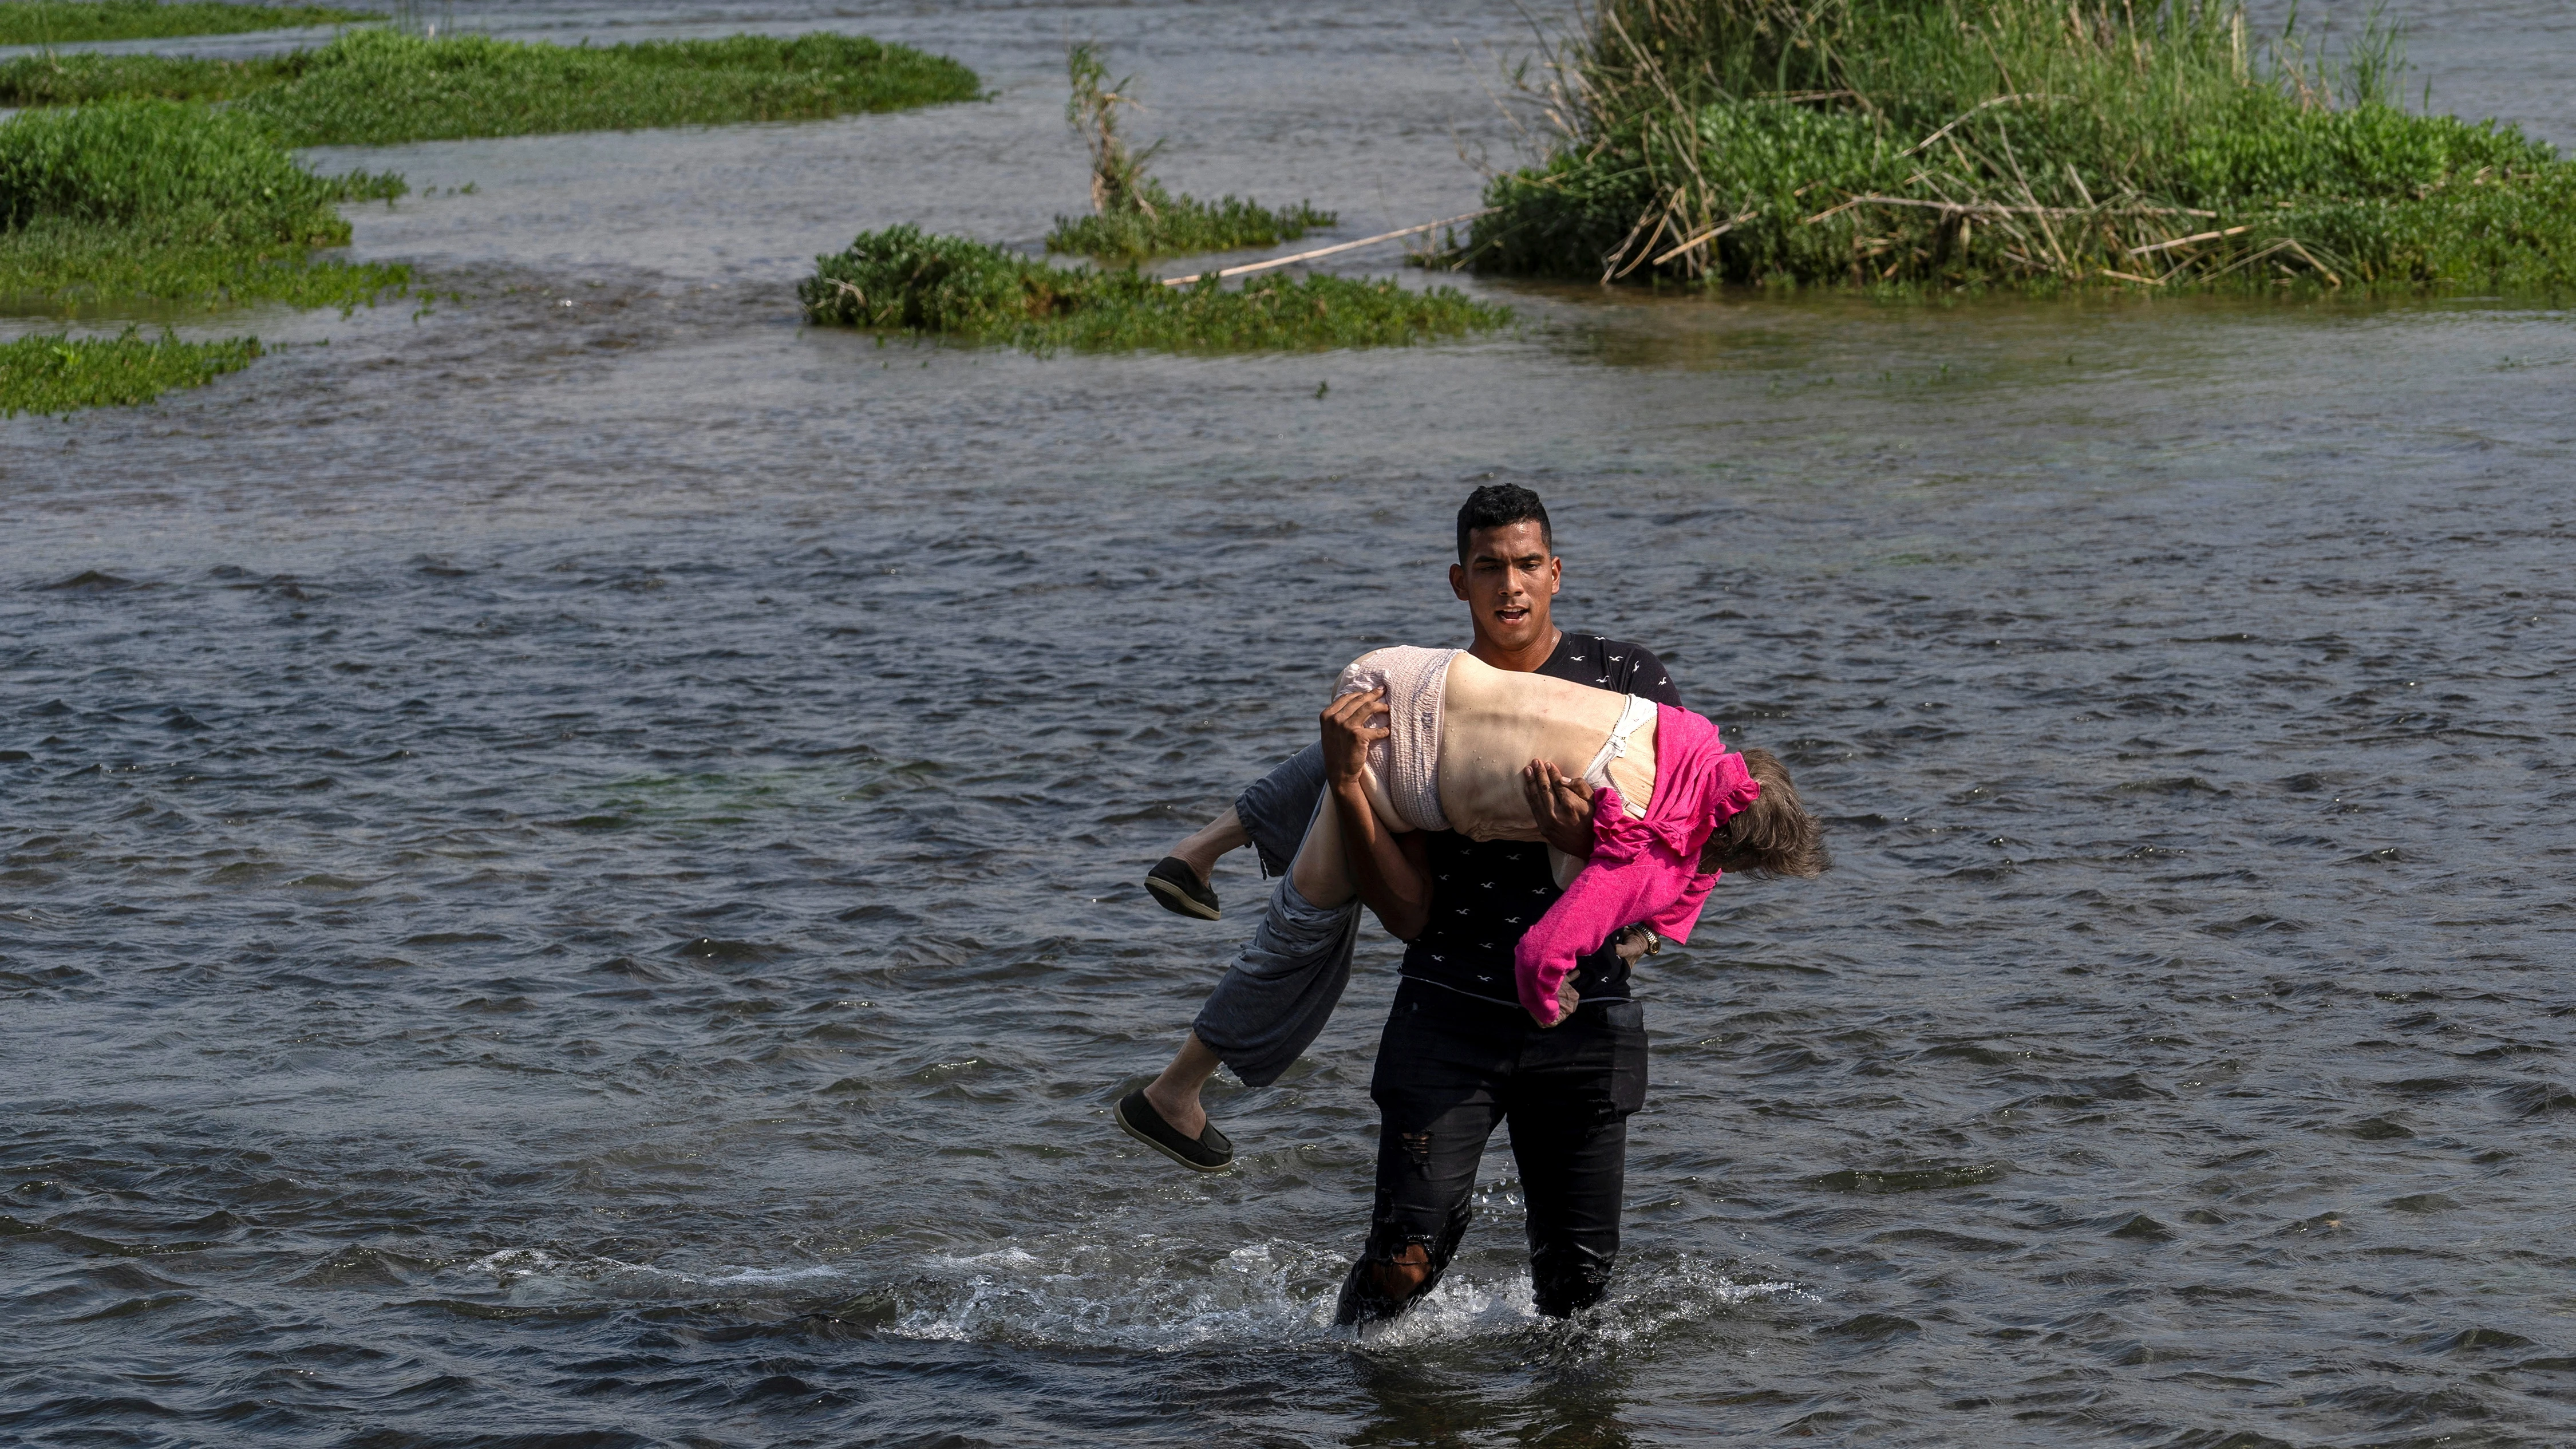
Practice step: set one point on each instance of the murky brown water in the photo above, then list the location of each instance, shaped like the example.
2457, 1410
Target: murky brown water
570, 861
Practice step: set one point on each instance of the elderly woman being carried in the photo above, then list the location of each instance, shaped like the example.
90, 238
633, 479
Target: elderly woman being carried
1450, 742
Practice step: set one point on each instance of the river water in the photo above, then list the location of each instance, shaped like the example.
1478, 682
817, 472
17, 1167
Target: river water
570, 872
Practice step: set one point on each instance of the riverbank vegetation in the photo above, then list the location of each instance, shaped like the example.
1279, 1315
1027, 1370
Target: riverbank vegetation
72, 22
154, 200
1945, 144
380, 87
63, 374
904, 280
1133, 217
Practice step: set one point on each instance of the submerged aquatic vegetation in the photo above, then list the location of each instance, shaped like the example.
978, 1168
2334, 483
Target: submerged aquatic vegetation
154, 199
1133, 217
904, 280
2011, 142
68, 22
379, 87
63, 374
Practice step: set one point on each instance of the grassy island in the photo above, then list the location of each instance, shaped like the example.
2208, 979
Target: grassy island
1959, 144
72, 22
378, 87
64, 374
153, 200
1133, 218
1162, 225
904, 280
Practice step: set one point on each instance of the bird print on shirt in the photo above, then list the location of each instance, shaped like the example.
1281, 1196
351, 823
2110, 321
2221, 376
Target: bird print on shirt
1478, 908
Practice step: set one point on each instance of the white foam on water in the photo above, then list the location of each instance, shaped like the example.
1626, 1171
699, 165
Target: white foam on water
1145, 1293
804, 1276
1460, 1308
1161, 1295
533, 1277
1643, 1302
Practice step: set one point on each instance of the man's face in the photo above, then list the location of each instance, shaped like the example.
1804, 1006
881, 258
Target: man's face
1507, 581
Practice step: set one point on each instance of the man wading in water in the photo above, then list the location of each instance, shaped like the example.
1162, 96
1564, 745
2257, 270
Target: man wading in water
1459, 1053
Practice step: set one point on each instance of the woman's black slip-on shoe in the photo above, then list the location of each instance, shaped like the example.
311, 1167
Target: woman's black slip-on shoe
1180, 890
1208, 1152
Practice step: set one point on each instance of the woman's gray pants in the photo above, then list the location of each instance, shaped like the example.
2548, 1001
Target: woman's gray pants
1274, 1000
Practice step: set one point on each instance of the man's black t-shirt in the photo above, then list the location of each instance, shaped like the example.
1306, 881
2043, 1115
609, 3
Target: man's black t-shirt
1485, 894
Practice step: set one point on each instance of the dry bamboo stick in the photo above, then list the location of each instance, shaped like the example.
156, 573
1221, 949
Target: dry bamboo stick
2331, 278
2184, 241
1963, 120
2241, 263
2039, 213
1609, 268
1704, 238
1327, 251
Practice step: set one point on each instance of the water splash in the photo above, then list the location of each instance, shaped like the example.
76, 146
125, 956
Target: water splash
1150, 1293
1160, 1295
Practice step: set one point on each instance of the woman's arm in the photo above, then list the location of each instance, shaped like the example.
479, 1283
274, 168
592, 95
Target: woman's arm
1593, 911
1390, 879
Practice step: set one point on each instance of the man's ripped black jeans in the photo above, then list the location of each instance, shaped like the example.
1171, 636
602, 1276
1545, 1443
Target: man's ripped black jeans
1449, 1068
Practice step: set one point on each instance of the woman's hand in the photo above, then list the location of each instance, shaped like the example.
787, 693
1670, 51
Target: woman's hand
1349, 730
1561, 806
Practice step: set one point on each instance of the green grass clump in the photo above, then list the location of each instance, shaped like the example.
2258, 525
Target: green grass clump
154, 199
1133, 217
2025, 143
1168, 225
86, 76
67, 22
65, 374
903, 280
382, 87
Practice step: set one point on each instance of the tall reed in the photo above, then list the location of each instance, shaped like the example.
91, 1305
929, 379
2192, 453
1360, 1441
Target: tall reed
2145, 143
1133, 217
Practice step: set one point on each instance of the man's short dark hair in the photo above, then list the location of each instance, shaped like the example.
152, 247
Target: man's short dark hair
1500, 505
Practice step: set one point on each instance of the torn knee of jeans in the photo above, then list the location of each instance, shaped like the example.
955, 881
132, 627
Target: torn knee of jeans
1417, 1145
1400, 1274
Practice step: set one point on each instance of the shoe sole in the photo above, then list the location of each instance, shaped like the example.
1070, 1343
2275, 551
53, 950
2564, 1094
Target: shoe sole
1130, 1130
1178, 901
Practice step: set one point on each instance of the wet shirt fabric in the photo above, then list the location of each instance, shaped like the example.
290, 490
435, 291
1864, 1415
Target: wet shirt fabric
1485, 894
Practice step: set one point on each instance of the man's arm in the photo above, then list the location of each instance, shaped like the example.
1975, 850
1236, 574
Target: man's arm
1560, 805
1386, 869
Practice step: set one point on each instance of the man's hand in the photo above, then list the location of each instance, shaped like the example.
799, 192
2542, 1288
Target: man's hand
1560, 805
1631, 943
1567, 998
1634, 942
1349, 729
